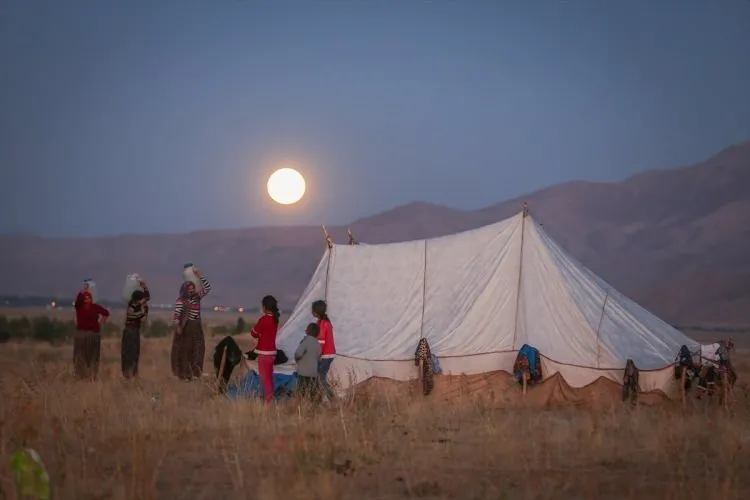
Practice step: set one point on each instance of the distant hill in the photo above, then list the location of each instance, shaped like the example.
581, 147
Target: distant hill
676, 240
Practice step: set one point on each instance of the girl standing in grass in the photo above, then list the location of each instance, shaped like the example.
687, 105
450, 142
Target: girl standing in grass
327, 345
131, 335
189, 344
265, 331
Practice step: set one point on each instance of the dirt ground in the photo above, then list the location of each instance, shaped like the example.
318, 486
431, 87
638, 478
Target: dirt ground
159, 438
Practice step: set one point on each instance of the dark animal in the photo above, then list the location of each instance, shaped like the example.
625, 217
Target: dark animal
234, 357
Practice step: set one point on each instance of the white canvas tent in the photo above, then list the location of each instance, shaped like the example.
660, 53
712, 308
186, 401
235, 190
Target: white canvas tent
477, 297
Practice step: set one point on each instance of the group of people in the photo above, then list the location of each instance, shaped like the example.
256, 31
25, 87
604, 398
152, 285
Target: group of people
314, 355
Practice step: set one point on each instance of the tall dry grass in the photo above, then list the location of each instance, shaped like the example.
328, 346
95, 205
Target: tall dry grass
161, 438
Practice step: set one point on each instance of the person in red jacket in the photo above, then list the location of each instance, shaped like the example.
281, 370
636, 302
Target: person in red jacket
265, 332
327, 345
87, 344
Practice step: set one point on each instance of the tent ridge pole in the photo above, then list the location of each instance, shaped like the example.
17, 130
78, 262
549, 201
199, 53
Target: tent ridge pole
525, 213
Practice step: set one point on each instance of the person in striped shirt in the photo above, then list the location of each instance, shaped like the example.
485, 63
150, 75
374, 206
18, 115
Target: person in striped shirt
189, 343
136, 313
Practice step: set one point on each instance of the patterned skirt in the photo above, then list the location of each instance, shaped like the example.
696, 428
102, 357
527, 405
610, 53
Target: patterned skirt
86, 354
188, 350
130, 351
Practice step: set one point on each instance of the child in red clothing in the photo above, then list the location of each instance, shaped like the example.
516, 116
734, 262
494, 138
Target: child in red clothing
327, 346
265, 332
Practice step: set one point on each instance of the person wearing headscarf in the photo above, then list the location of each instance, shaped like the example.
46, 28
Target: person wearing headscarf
188, 343
87, 343
131, 335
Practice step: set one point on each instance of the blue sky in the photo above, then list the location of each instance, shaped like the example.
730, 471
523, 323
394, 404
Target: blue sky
169, 115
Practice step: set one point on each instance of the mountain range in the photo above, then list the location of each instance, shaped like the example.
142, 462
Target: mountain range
675, 240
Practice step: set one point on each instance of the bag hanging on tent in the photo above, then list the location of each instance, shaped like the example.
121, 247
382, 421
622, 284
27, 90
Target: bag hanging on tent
92, 289
188, 274
132, 283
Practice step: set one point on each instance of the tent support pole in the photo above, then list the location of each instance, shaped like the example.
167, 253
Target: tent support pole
424, 291
525, 208
328, 272
329, 241
598, 328
220, 373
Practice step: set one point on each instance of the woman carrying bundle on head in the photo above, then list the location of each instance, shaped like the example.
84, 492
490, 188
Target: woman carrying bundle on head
327, 345
265, 331
87, 344
131, 336
189, 344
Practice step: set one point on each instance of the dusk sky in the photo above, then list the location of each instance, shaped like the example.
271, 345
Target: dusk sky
151, 116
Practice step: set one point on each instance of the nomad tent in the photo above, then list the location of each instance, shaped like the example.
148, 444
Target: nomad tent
478, 297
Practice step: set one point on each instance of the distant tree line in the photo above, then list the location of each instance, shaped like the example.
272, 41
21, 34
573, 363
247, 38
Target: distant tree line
35, 301
55, 331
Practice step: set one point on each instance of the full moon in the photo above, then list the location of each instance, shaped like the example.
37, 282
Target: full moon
286, 186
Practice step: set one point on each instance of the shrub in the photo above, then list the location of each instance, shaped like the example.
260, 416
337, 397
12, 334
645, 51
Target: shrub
20, 328
156, 329
52, 331
241, 326
222, 330
110, 329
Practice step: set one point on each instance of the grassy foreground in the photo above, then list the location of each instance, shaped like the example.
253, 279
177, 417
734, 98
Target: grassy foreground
161, 438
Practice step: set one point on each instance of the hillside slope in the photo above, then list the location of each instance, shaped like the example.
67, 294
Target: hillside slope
677, 240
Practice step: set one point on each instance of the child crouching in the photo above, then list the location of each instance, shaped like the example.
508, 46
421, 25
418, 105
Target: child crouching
307, 356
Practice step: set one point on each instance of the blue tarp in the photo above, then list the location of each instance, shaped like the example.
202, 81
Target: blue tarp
530, 353
532, 356
249, 386
435, 364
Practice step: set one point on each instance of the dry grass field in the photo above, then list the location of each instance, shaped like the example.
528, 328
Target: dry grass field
161, 438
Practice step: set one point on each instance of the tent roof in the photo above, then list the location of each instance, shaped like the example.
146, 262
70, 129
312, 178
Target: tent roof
486, 290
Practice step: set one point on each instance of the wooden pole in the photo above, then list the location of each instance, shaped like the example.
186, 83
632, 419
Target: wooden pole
683, 380
329, 241
220, 375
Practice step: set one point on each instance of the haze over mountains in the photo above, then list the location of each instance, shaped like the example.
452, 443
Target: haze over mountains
675, 240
